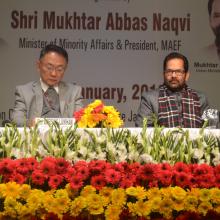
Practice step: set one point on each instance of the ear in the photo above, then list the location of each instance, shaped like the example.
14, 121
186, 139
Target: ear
187, 76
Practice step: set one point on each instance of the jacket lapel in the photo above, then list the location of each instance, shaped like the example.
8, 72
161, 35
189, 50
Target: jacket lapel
38, 99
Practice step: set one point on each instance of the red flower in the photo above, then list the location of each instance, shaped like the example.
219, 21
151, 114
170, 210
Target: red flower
126, 182
83, 172
98, 181
77, 115
38, 177
98, 166
188, 216
182, 179
206, 181
76, 182
32, 163
217, 180
55, 181
201, 169
48, 167
217, 169
181, 167
165, 166
148, 172
7, 166
61, 165
71, 171
18, 178
112, 176
153, 183
193, 183
22, 166
98, 109
165, 177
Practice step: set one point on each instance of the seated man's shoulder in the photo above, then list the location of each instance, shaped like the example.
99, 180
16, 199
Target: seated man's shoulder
199, 93
72, 85
28, 85
151, 93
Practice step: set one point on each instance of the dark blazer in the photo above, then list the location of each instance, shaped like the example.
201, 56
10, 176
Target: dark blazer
29, 101
149, 105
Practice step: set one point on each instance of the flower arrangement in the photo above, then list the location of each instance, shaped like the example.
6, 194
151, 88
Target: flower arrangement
96, 114
56, 189
113, 145
54, 173
22, 202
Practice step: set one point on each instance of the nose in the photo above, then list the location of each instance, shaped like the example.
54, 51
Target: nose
53, 72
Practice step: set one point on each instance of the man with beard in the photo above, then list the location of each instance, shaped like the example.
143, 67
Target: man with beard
214, 19
173, 104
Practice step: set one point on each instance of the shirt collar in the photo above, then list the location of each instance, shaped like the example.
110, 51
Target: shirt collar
44, 86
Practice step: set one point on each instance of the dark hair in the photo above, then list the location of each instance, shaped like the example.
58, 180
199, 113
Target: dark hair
210, 6
54, 48
175, 55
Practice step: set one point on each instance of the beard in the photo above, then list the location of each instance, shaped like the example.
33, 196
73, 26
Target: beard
177, 87
217, 37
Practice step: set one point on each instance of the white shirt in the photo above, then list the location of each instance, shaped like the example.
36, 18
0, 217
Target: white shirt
44, 86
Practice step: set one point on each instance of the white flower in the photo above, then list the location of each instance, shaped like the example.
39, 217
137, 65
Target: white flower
83, 151
101, 156
133, 156
216, 160
146, 158
198, 153
110, 147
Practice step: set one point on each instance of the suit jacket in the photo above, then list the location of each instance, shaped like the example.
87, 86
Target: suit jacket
149, 106
29, 101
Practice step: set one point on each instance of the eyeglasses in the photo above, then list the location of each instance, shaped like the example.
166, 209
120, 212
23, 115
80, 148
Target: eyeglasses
178, 72
50, 68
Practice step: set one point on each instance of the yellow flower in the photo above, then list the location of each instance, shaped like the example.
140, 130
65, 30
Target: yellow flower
35, 199
118, 197
178, 195
95, 204
61, 193
23, 211
166, 208
77, 206
139, 192
154, 203
25, 191
96, 114
217, 209
204, 207
153, 192
57, 206
215, 195
10, 205
106, 192
142, 208
191, 203
11, 189
87, 190
205, 195
113, 212
71, 192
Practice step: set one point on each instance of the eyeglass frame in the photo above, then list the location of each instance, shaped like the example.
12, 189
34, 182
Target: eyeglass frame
178, 72
50, 68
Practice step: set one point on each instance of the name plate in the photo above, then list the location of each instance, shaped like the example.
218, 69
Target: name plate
60, 121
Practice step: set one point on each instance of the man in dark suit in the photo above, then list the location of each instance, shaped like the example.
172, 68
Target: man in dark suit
49, 97
173, 104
